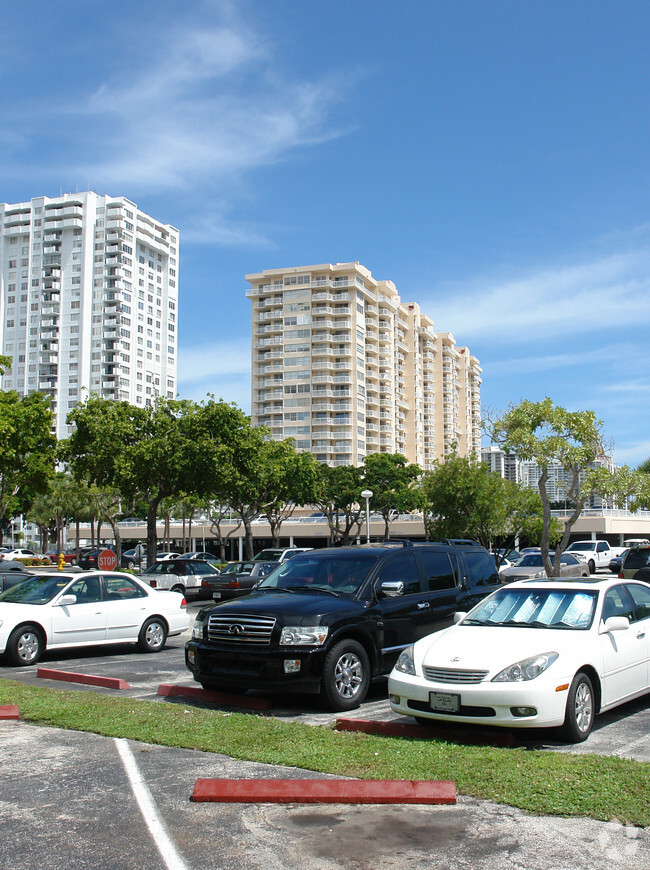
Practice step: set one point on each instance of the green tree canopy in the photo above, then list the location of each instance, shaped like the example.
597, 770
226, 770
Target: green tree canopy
27, 450
392, 481
339, 497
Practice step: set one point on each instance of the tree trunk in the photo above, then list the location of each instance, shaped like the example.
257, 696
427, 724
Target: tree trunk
152, 537
248, 538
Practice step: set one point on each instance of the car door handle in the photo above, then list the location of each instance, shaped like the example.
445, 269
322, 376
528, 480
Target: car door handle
640, 634
422, 605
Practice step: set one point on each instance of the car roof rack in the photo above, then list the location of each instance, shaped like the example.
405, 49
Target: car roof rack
461, 542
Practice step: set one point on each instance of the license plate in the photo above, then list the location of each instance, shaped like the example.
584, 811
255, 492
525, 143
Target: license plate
444, 702
216, 594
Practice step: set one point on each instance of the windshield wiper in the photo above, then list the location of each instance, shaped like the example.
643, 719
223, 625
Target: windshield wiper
315, 589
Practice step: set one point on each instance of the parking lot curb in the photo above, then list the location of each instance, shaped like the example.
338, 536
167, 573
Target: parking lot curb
9, 711
226, 698
85, 679
325, 791
404, 729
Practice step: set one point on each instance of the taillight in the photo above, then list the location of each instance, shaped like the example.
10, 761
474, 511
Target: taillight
183, 603
620, 575
234, 584
153, 584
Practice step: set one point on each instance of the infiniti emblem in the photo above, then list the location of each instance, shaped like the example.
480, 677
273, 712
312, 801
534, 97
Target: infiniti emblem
235, 628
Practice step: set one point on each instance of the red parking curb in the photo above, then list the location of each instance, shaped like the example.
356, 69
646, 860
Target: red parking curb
9, 711
325, 791
85, 679
404, 729
230, 700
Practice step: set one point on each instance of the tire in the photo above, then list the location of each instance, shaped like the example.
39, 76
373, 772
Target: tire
130, 565
580, 709
153, 635
73, 561
346, 676
178, 588
592, 566
25, 645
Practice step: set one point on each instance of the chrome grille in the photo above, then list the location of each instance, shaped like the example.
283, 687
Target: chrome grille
454, 675
240, 629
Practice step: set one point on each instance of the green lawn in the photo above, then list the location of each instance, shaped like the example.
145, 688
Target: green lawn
540, 782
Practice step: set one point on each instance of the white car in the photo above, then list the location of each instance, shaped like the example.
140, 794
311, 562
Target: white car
21, 554
533, 654
57, 611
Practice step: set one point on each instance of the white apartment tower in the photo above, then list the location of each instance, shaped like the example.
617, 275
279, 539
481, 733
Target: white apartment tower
88, 300
343, 366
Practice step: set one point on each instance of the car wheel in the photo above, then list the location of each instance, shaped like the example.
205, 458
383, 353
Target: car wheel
178, 588
580, 709
592, 566
130, 565
25, 645
346, 676
73, 561
153, 635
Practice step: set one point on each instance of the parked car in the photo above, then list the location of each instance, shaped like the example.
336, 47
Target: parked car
533, 654
130, 559
179, 575
62, 610
23, 553
636, 564
279, 554
531, 566
163, 556
9, 566
236, 579
70, 557
10, 578
596, 553
616, 562
201, 556
349, 613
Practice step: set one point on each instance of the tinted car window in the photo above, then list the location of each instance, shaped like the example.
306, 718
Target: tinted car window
641, 597
481, 569
401, 567
204, 568
617, 604
437, 571
120, 587
637, 558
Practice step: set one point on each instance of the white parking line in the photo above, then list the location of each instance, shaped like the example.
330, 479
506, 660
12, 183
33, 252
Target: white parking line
165, 846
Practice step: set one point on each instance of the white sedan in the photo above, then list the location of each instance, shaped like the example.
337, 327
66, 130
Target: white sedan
57, 611
533, 654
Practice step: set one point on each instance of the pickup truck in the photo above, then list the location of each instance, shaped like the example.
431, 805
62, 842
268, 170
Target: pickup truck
596, 553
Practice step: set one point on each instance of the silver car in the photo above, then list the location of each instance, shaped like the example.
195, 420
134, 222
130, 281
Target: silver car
531, 567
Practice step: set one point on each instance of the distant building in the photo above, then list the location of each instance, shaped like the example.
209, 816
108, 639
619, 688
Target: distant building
88, 300
506, 465
559, 480
346, 368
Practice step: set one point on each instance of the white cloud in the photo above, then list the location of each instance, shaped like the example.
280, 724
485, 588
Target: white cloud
606, 292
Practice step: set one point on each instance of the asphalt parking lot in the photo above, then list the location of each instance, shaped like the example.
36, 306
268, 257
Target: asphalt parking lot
80, 800
623, 732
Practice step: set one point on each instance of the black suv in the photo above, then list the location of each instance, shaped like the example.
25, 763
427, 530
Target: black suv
330, 620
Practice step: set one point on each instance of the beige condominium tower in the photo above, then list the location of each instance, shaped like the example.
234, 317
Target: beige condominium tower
343, 366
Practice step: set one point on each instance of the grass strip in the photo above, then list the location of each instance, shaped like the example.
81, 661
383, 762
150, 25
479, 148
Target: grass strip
544, 782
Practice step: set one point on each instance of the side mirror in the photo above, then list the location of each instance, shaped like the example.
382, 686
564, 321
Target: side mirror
614, 623
392, 588
65, 600
460, 614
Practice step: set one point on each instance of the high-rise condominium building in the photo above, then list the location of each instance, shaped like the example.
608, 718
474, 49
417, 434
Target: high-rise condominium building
88, 300
346, 368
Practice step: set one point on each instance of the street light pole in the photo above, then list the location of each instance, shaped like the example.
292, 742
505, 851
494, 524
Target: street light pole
367, 494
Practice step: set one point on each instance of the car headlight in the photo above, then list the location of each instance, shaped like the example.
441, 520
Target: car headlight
541, 575
405, 663
197, 629
303, 635
526, 669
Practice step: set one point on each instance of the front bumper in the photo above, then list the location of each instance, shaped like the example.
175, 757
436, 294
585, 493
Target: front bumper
485, 703
243, 668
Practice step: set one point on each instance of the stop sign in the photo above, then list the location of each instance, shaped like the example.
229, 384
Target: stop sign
107, 560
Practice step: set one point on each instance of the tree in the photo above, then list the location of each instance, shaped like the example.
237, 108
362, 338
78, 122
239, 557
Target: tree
464, 499
166, 449
548, 433
339, 497
27, 450
391, 480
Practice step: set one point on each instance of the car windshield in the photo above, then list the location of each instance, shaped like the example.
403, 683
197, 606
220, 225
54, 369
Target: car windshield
532, 560
268, 556
38, 590
586, 546
536, 608
238, 568
337, 573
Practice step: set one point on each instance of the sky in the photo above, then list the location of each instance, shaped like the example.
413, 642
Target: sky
490, 157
